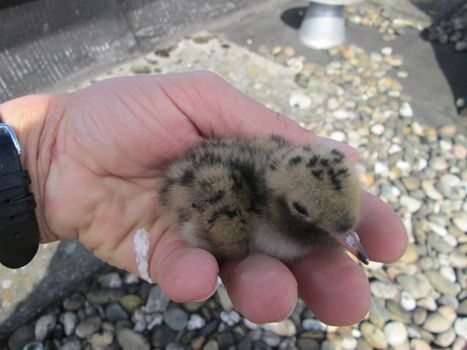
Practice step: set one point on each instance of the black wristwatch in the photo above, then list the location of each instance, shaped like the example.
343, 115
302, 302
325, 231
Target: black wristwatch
19, 234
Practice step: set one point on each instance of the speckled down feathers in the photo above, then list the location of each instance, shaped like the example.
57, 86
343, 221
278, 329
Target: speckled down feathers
236, 196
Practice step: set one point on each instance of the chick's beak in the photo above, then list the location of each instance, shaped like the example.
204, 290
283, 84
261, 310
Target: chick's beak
351, 242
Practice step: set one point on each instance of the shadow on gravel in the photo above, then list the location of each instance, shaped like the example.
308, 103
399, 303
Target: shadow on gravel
66, 272
451, 62
293, 17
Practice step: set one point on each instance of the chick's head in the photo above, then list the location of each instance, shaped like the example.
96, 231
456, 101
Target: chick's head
315, 191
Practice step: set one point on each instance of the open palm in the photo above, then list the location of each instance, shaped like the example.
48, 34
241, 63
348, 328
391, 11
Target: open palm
98, 174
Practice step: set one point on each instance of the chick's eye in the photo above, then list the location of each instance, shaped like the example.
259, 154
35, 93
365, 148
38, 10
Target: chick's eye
300, 208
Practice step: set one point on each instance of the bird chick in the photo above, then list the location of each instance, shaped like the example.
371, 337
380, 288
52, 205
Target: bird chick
233, 197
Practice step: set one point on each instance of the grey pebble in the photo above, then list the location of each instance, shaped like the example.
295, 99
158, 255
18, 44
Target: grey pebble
44, 325
88, 327
69, 320
110, 280
114, 313
176, 346
211, 345
74, 302
271, 339
35, 345
157, 301
176, 318
104, 296
21, 337
73, 344
130, 340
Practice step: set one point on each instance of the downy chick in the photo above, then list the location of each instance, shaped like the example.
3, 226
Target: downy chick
235, 196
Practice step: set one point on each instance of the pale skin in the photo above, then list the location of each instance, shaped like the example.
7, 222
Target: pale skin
95, 158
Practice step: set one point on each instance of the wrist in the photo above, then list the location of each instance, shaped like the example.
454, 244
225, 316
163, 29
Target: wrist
28, 116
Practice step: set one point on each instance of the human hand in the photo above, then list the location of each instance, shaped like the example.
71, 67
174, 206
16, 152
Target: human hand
95, 157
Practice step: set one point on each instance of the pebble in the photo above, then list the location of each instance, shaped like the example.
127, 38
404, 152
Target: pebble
446, 338
418, 286
448, 185
419, 344
411, 183
130, 302
436, 323
73, 303
373, 335
176, 318
35, 345
101, 341
19, 338
406, 110
377, 129
306, 343
384, 290
460, 222
130, 340
157, 301
460, 326
211, 345
104, 296
285, 328
195, 322
69, 320
88, 327
412, 204
299, 101
44, 325
110, 280
408, 301
311, 324
431, 191
338, 136
442, 284
230, 318
438, 229
395, 332
114, 313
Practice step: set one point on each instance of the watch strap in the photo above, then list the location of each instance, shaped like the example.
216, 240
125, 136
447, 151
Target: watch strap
19, 234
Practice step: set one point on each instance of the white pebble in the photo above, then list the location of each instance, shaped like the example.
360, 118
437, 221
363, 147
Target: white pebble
6, 284
386, 51
448, 272
338, 136
403, 166
394, 149
395, 332
381, 168
377, 129
410, 203
438, 229
299, 101
406, 110
445, 145
408, 301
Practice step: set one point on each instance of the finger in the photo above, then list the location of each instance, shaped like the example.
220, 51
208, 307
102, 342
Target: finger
185, 274
380, 230
262, 288
333, 286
